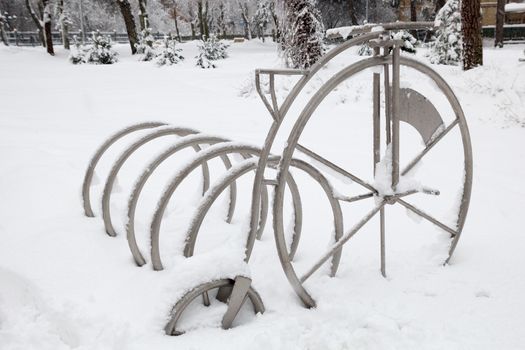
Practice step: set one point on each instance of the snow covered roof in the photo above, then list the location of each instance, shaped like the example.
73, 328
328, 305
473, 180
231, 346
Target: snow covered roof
515, 7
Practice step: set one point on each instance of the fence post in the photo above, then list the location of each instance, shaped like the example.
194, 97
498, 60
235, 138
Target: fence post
16, 36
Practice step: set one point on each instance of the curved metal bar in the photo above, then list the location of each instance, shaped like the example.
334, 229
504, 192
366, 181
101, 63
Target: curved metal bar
186, 300
334, 203
210, 153
185, 142
90, 171
298, 215
264, 206
465, 137
264, 212
216, 190
280, 241
106, 195
193, 231
208, 200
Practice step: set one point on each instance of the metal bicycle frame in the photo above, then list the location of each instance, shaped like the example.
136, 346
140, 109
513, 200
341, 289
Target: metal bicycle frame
393, 119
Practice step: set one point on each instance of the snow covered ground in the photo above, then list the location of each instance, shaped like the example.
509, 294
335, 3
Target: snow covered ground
65, 284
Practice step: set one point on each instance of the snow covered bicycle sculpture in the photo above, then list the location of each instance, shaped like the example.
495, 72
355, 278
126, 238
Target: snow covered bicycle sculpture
401, 104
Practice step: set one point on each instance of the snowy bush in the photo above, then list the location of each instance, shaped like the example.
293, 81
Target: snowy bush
78, 52
211, 50
167, 53
447, 48
145, 45
101, 51
303, 39
409, 43
204, 62
364, 50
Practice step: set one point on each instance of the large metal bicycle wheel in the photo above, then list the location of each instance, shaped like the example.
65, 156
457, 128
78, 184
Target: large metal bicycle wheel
397, 100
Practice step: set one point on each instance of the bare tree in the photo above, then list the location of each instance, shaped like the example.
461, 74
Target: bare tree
200, 16
500, 20
37, 21
352, 10
63, 21
413, 11
243, 6
174, 15
221, 19
276, 22
3, 22
129, 21
143, 16
46, 18
472, 39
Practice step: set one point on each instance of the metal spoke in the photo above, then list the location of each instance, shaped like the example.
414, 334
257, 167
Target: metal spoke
429, 147
342, 241
350, 199
427, 217
334, 167
382, 239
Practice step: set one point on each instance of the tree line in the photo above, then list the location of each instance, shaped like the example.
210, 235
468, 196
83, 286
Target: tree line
200, 18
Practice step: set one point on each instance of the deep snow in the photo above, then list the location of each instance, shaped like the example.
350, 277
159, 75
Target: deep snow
64, 284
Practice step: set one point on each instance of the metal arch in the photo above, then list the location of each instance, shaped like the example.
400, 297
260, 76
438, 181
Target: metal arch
279, 230
216, 190
203, 156
187, 141
106, 195
186, 300
306, 114
90, 171
465, 137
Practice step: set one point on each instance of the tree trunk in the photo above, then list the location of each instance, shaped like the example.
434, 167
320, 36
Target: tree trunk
2, 34
246, 22
143, 17
193, 36
63, 25
129, 21
413, 11
372, 11
351, 7
201, 19
47, 27
206, 19
500, 21
277, 32
37, 22
176, 22
471, 28
222, 20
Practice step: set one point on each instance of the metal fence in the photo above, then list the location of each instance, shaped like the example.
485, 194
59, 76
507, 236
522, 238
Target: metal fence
32, 38
511, 32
